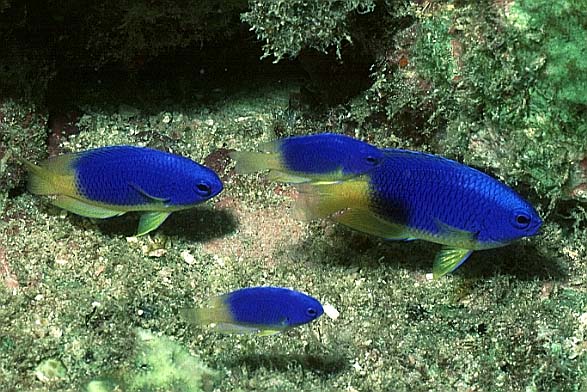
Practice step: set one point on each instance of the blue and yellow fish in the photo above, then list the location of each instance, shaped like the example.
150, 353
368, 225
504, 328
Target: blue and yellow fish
110, 181
261, 310
314, 158
414, 195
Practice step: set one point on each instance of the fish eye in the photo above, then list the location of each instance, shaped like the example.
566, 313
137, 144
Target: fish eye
311, 312
372, 160
203, 189
522, 220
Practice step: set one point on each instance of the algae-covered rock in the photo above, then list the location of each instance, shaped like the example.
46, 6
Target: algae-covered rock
287, 27
500, 86
22, 135
50, 370
160, 364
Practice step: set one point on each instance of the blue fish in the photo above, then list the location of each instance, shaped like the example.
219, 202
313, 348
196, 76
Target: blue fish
110, 181
414, 195
300, 159
261, 310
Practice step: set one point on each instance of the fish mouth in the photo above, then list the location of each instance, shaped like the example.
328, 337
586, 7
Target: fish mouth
536, 230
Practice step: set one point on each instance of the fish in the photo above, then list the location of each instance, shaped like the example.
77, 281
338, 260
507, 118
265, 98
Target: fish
416, 195
113, 180
321, 157
261, 310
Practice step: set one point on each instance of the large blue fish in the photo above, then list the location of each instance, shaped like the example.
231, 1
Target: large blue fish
110, 181
299, 159
414, 195
261, 310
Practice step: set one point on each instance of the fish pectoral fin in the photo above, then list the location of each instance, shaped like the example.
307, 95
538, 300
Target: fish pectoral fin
84, 209
448, 260
151, 198
150, 221
367, 222
455, 233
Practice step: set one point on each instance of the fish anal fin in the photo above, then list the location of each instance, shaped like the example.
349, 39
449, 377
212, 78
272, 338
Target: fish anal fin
150, 221
268, 332
368, 222
84, 209
448, 260
280, 176
319, 200
334, 177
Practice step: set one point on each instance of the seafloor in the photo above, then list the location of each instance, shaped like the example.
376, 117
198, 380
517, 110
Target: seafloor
86, 306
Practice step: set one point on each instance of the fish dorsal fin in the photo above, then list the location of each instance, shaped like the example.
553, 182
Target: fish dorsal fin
216, 311
272, 146
368, 222
252, 161
60, 164
150, 221
448, 260
84, 209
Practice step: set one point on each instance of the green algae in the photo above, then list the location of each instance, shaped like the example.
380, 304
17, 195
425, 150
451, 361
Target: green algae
50, 370
510, 319
498, 86
22, 135
160, 364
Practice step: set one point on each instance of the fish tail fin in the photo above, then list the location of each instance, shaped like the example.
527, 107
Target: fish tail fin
40, 179
53, 176
251, 162
216, 312
319, 200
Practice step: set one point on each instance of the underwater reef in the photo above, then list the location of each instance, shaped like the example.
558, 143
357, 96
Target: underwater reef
498, 85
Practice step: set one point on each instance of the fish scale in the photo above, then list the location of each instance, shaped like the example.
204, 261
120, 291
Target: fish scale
414, 195
111, 181
102, 179
454, 197
262, 310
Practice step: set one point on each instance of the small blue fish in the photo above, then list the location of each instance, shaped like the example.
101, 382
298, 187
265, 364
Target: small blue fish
261, 310
110, 181
300, 159
414, 195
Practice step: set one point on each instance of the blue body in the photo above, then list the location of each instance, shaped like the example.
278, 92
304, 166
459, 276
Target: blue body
327, 153
134, 176
272, 306
431, 194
